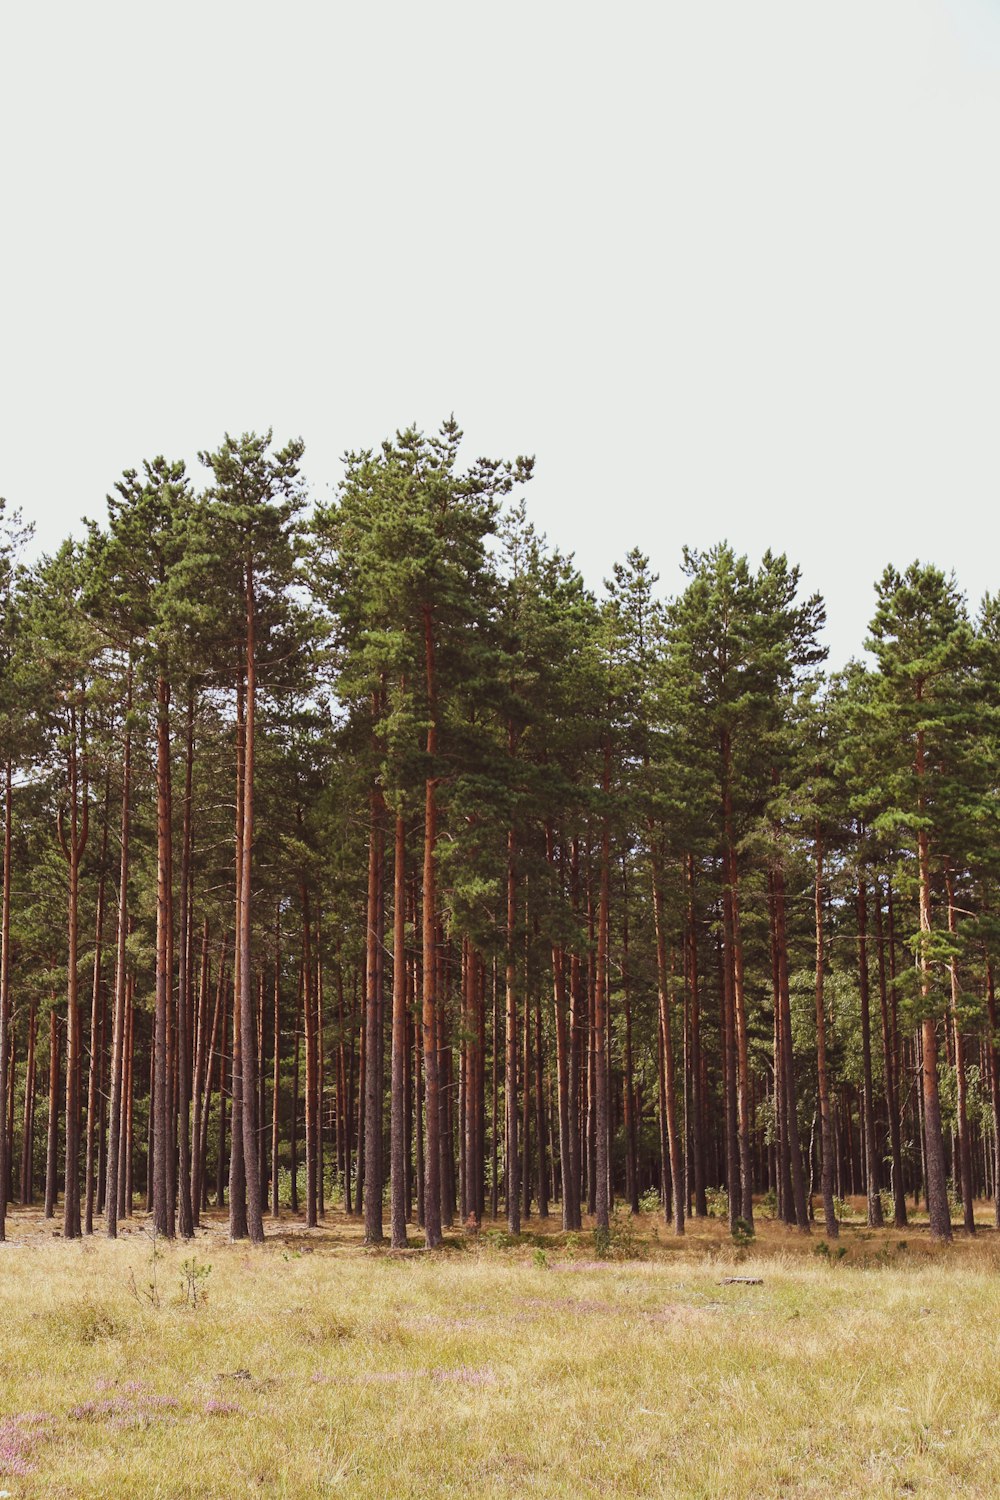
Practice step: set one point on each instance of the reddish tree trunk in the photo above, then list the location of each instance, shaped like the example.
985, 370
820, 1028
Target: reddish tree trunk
826, 1123
432, 1100
248, 1029
373, 1072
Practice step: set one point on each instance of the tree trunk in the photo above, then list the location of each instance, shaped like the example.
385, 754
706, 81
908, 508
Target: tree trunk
669, 1077
397, 1128
512, 1159
602, 1143
628, 1091
891, 1076
184, 1017
5, 1017
963, 1170
872, 1174
126, 1159
311, 1069
936, 1181
697, 1105
825, 1121
111, 1192
53, 1127
276, 1080
374, 1234
432, 1105
162, 1140
735, 964
26, 1194
94, 1070
799, 1195
248, 1027
198, 1080
994, 1062
73, 846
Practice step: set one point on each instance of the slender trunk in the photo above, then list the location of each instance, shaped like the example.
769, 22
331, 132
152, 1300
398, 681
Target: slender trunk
73, 846
799, 1192
735, 964
397, 1142
53, 1127
198, 1081
126, 1159
184, 994
576, 1035
93, 1072
5, 983
5, 1017
162, 1140
525, 1172
320, 1157
602, 1142
871, 1147
294, 1131
237, 1175
891, 1076
697, 1106
374, 1234
495, 1103
248, 1028
512, 1158
111, 1193
432, 1163
26, 1194
631, 1137
994, 1064
826, 1124
936, 1181
963, 1169
216, 1047
728, 1039
569, 1193
312, 1072
276, 1081
669, 1079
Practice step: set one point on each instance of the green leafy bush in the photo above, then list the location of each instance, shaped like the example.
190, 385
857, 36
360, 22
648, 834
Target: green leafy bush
717, 1202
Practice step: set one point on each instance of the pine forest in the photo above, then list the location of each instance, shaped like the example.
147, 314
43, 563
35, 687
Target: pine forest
360, 859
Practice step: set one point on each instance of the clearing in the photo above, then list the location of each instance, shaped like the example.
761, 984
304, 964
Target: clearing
314, 1367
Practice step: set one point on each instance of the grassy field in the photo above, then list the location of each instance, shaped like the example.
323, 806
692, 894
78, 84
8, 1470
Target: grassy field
314, 1367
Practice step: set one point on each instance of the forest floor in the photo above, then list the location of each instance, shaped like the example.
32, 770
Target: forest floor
313, 1366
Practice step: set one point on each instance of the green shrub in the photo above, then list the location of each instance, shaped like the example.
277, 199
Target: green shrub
743, 1233
717, 1202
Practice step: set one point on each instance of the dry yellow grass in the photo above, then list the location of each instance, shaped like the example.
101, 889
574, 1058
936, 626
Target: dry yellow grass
317, 1368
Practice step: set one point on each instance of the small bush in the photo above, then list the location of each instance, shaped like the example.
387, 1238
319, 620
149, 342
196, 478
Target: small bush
717, 1203
651, 1202
87, 1322
194, 1282
499, 1239
743, 1234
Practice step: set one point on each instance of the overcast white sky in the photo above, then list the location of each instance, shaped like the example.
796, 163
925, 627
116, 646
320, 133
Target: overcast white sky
727, 269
